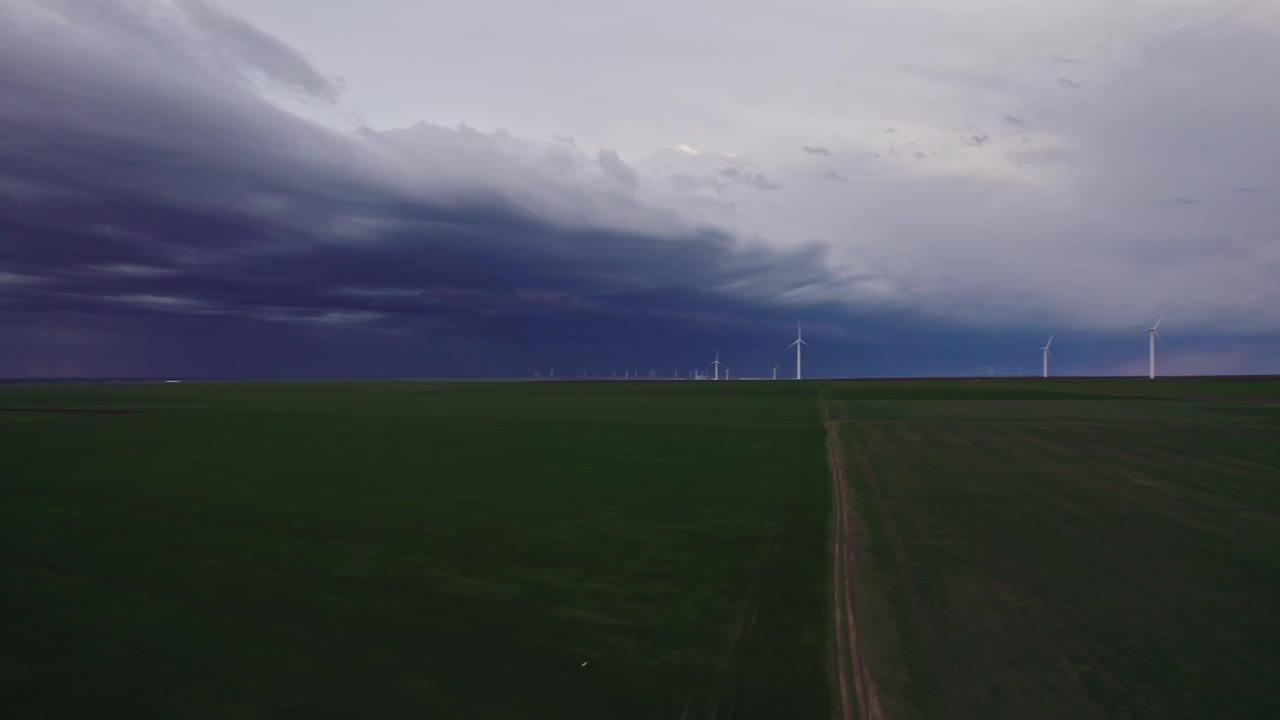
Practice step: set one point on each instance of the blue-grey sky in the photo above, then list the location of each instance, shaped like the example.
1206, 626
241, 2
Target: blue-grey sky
403, 187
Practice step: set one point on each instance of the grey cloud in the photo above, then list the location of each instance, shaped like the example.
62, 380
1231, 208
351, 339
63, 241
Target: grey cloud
835, 176
815, 150
1067, 231
11, 278
1068, 83
760, 182
1015, 121
238, 42
129, 270
614, 167
979, 140
750, 179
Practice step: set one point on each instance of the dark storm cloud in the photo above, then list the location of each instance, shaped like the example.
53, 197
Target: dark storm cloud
158, 183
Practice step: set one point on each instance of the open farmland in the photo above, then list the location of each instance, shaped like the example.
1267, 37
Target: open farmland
396, 549
1061, 548
1074, 549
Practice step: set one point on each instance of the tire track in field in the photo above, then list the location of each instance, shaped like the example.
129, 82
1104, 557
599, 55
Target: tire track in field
725, 696
850, 661
929, 633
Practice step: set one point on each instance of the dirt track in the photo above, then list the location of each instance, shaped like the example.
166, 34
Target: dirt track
850, 661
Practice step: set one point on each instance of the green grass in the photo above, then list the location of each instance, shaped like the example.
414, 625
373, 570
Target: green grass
1069, 549
382, 549
1024, 549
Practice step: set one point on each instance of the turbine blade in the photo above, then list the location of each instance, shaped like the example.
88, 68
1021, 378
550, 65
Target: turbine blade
1153, 327
1048, 344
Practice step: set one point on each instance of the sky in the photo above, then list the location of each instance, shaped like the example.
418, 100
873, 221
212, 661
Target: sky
282, 188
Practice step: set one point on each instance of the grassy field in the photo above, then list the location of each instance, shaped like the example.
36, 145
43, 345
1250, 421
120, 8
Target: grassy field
1062, 548
388, 549
1073, 549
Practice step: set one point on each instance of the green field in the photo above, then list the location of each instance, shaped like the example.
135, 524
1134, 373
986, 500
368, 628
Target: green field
1072, 549
376, 549
1069, 548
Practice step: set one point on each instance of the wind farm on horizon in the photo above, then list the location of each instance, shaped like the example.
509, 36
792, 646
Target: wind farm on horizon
717, 370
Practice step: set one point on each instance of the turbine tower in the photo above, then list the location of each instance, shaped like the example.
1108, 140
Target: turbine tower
1152, 333
797, 345
716, 364
775, 372
1046, 352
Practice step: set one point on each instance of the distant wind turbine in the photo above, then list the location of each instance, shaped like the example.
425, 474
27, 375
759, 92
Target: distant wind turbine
797, 345
1153, 332
1046, 352
716, 364
775, 372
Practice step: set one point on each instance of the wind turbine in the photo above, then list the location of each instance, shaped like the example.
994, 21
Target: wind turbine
797, 344
775, 372
716, 364
1046, 352
1153, 332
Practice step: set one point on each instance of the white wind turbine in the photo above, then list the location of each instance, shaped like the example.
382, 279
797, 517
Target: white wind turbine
775, 372
1153, 332
716, 364
1046, 352
797, 345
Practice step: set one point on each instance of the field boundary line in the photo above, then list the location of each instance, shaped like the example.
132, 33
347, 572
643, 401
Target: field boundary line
850, 661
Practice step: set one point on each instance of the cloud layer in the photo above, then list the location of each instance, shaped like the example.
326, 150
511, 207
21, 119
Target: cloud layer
166, 162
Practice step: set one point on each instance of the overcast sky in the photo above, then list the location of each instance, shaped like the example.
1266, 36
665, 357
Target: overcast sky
284, 187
